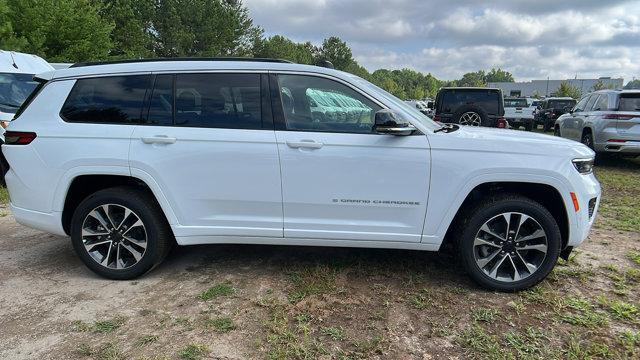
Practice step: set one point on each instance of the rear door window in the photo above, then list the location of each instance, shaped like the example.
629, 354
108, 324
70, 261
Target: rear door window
591, 102
107, 100
489, 101
629, 102
602, 103
162, 101
231, 101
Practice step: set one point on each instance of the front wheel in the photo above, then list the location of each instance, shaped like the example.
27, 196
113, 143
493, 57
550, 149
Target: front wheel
120, 233
509, 243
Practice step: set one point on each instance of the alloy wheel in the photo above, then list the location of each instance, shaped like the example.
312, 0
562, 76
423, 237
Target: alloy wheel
470, 118
510, 247
114, 236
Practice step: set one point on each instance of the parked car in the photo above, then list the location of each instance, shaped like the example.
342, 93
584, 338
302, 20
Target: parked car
550, 109
518, 113
16, 84
470, 106
419, 105
128, 157
608, 121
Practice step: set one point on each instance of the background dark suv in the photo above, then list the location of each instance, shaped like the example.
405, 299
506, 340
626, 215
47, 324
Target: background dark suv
551, 108
470, 106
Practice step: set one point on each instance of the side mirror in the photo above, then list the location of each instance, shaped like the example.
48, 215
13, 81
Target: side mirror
390, 123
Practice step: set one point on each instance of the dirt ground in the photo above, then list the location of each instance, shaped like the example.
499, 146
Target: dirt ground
246, 302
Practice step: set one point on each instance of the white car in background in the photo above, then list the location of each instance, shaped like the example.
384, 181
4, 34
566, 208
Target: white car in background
16, 84
518, 113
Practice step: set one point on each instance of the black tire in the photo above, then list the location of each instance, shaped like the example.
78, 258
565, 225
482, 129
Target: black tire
3, 167
489, 209
547, 125
159, 237
587, 139
556, 131
528, 126
484, 118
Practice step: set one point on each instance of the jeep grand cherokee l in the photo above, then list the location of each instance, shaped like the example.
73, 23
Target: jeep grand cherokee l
128, 158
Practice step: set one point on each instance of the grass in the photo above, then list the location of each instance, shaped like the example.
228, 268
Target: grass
223, 289
108, 326
620, 193
194, 352
220, 324
337, 334
316, 280
4, 195
146, 340
485, 315
634, 256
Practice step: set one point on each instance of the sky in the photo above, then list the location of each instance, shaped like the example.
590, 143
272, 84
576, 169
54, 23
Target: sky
532, 39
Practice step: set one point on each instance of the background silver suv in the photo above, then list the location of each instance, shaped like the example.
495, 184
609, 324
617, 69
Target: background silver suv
606, 121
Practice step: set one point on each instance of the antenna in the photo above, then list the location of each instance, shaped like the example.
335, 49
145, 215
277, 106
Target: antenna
13, 60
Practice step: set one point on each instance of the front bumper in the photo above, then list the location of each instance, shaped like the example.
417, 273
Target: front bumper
588, 195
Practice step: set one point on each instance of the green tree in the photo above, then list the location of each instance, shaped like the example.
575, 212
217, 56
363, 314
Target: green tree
131, 36
633, 84
473, 79
337, 51
203, 28
62, 30
565, 89
498, 75
600, 85
279, 47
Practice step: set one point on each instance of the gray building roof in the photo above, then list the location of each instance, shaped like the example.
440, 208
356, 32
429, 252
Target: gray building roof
549, 87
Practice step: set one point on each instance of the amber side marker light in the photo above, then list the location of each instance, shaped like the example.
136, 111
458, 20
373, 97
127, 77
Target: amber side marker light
574, 198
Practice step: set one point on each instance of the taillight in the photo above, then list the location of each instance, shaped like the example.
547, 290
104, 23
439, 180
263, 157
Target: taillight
19, 137
618, 116
501, 123
616, 140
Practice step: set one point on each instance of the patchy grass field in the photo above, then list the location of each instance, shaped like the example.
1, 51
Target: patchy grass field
255, 302
4, 195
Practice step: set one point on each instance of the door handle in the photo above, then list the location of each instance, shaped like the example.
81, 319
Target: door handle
307, 144
158, 139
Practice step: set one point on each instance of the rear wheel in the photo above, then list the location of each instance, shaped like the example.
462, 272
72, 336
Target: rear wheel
587, 139
120, 233
528, 126
509, 243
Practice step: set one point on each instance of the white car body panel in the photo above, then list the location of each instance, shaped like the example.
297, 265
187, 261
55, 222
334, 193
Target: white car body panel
250, 186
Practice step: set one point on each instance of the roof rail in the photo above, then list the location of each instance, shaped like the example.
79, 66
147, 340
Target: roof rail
130, 61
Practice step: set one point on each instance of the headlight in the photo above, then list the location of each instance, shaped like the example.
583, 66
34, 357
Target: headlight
584, 166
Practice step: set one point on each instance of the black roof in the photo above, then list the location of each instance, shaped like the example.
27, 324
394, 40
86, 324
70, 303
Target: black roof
129, 61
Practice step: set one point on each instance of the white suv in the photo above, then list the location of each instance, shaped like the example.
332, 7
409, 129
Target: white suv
128, 157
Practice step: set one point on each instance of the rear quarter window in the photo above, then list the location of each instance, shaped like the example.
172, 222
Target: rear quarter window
629, 102
107, 100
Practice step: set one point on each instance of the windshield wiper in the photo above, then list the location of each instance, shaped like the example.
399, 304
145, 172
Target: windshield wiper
447, 128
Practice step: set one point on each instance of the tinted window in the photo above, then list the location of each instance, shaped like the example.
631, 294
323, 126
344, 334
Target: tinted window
318, 104
592, 100
629, 102
14, 90
489, 101
161, 105
115, 100
602, 103
560, 104
511, 103
218, 101
581, 105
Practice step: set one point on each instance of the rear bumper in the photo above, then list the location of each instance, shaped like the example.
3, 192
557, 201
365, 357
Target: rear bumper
628, 147
47, 222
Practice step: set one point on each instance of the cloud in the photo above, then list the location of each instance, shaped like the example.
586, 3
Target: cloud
529, 38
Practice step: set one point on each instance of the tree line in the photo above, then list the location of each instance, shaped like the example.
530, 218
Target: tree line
85, 30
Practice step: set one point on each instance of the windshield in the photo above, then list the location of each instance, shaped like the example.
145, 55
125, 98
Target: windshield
425, 120
560, 104
14, 90
511, 103
629, 102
